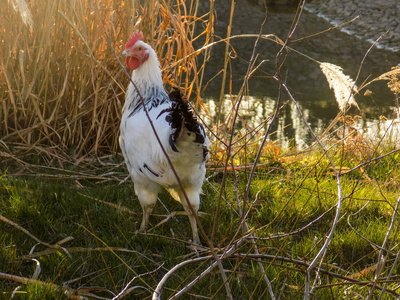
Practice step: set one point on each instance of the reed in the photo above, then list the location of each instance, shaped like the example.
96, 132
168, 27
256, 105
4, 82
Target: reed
62, 86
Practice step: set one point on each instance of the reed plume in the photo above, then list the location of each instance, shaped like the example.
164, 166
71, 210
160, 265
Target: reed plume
343, 86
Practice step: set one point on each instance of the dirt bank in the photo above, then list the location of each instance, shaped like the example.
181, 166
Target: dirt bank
376, 18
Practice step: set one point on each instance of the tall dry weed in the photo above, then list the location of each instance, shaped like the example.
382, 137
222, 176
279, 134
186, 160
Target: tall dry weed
61, 85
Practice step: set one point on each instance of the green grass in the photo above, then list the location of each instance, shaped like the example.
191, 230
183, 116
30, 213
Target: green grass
106, 252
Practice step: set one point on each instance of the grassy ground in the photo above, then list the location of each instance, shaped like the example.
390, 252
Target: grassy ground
291, 209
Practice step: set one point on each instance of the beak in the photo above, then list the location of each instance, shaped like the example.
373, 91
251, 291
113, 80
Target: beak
126, 52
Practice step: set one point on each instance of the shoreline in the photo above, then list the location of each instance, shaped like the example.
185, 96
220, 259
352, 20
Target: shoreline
377, 21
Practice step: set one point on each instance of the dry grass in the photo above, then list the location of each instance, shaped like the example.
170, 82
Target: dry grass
62, 85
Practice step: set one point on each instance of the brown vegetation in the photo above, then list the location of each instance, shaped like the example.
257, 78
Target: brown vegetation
62, 83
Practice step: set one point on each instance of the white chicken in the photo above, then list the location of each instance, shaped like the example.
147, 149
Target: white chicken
181, 135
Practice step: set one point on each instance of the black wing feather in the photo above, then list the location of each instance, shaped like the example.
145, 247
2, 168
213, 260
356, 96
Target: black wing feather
179, 115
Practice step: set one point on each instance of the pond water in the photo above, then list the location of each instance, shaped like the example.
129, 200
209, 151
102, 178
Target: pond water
303, 76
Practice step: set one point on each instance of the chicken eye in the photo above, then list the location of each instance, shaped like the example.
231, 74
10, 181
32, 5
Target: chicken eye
140, 48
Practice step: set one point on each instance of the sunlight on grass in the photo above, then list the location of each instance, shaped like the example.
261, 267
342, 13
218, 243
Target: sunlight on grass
281, 205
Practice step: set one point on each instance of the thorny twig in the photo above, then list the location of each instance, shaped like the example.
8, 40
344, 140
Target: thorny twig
125, 291
322, 251
278, 78
245, 227
381, 257
188, 286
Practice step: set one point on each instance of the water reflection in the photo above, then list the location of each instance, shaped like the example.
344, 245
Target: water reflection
302, 76
386, 131
255, 114
289, 130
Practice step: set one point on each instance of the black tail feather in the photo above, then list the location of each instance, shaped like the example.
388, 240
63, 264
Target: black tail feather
179, 115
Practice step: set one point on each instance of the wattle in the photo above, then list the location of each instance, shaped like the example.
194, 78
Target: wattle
132, 62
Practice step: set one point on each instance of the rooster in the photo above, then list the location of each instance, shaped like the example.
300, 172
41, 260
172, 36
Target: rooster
181, 135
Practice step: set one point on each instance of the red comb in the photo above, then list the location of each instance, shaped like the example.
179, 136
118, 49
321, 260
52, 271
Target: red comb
136, 36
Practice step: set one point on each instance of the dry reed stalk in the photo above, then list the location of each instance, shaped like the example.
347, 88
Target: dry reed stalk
226, 59
392, 76
71, 293
4, 219
62, 87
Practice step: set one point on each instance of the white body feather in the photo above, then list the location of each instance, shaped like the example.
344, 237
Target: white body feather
145, 160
